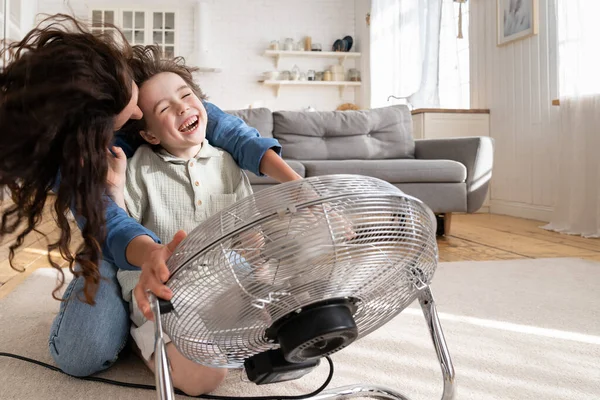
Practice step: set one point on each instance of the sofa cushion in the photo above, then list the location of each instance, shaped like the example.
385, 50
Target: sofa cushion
260, 119
393, 171
381, 133
260, 180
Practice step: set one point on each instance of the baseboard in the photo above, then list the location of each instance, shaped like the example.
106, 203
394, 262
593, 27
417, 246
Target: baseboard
521, 210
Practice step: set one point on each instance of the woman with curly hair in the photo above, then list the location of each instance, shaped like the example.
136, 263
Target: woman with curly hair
63, 98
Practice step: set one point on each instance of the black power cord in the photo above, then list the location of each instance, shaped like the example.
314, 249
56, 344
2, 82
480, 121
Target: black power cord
177, 391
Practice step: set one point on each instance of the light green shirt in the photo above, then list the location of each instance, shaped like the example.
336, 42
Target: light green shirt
167, 194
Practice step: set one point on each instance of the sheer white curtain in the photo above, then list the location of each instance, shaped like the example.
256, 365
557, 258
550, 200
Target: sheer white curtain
396, 45
577, 203
415, 54
454, 79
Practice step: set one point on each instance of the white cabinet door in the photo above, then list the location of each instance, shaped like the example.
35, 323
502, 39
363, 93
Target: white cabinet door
447, 125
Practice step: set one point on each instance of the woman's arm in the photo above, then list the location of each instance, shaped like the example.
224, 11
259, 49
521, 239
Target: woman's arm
275, 167
234, 136
122, 230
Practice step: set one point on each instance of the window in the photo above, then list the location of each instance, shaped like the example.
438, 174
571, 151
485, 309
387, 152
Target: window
578, 31
141, 27
133, 24
454, 78
163, 32
100, 18
418, 56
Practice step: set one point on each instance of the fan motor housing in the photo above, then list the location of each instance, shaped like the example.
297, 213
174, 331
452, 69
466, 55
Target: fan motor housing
304, 337
316, 331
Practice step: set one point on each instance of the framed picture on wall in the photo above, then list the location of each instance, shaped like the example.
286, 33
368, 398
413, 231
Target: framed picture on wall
517, 19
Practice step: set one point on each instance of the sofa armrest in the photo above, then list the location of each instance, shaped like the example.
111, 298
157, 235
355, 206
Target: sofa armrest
475, 153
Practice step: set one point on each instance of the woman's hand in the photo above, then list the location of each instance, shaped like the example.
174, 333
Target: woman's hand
115, 177
155, 273
117, 168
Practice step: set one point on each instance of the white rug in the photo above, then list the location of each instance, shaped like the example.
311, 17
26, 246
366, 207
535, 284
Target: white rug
520, 329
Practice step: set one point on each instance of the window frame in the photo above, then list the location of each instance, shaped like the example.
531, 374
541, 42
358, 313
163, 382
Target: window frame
148, 29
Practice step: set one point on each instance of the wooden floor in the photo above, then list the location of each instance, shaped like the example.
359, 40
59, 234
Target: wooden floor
473, 237
481, 237
33, 254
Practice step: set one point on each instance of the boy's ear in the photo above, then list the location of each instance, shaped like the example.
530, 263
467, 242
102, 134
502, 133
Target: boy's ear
149, 137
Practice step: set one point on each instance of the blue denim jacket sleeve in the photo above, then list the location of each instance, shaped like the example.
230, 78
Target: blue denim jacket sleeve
223, 130
235, 137
120, 230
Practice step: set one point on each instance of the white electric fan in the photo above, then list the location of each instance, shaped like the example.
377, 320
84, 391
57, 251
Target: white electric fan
297, 272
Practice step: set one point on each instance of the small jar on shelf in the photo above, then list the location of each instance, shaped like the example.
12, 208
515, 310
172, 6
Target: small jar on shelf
311, 75
284, 76
274, 45
338, 73
353, 75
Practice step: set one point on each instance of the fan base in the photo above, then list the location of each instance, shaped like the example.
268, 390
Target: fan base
271, 367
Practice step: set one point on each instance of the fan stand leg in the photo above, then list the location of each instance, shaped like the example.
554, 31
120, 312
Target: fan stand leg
439, 342
162, 373
380, 392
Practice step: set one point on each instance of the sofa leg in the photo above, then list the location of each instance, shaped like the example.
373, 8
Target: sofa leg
447, 221
443, 224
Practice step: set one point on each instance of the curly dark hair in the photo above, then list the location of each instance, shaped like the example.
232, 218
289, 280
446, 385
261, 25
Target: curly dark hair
59, 96
146, 62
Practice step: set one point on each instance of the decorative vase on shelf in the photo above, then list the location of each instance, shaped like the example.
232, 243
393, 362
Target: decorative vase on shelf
288, 45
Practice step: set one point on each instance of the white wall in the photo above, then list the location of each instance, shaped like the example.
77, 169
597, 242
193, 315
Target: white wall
240, 32
517, 82
27, 17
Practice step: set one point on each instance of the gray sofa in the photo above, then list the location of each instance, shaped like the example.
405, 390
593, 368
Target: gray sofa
449, 175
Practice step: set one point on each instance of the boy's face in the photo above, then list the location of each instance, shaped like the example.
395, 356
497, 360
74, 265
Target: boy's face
175, 117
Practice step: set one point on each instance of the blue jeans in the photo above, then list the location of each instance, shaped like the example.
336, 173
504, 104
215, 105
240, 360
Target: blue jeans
87, 339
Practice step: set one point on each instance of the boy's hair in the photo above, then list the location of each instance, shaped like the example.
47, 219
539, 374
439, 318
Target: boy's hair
147, 62
59, 96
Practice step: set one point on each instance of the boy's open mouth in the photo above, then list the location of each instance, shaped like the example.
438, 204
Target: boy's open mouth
189, 125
